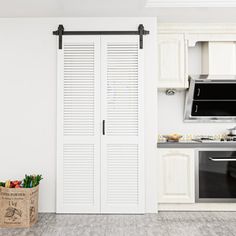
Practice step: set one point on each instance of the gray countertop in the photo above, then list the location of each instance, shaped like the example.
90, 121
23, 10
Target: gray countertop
196, 145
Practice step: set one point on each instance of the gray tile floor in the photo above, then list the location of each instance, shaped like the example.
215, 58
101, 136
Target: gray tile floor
162, 224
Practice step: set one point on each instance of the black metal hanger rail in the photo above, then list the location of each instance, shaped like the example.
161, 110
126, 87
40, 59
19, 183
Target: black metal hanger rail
141, 32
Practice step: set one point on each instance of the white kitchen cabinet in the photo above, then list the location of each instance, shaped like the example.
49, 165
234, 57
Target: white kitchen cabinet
171, 61
176, 175
219, 58
100, 129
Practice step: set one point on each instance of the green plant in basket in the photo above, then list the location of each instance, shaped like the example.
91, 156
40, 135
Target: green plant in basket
31, 181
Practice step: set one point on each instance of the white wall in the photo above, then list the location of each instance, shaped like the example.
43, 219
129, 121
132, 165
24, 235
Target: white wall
28, 98
170, 118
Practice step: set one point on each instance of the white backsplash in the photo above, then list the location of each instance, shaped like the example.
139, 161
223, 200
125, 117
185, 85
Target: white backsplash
170, 118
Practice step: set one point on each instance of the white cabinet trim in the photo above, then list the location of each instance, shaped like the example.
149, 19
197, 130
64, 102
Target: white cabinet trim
197, 28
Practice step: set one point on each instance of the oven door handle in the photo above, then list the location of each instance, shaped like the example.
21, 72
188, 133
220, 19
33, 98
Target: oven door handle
222, 159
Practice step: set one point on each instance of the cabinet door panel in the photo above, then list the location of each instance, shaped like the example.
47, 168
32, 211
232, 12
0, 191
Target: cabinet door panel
176, 175
171, 61
78, 126
122, 166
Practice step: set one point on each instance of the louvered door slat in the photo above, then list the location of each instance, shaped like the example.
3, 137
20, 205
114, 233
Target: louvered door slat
78, 147
122, 176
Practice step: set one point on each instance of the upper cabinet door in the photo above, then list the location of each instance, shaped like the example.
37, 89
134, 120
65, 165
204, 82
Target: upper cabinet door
122, 156
78, 126
171, 61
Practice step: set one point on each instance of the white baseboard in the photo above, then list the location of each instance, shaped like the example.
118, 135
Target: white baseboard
198, 207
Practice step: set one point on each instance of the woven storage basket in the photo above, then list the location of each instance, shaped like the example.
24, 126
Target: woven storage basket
18, 207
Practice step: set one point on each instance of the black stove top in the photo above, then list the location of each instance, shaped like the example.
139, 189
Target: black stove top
228, 138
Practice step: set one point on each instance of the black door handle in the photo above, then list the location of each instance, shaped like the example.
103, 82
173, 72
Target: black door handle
103, 127
222, 158
198, 92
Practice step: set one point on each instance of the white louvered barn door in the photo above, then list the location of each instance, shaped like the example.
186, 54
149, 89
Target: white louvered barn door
78, 125
122, 154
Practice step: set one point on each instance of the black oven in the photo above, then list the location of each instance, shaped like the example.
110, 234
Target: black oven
216, 176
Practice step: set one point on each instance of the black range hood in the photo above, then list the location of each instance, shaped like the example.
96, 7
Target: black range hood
211, 99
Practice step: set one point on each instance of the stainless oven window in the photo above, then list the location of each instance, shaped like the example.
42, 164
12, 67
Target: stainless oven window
216, 176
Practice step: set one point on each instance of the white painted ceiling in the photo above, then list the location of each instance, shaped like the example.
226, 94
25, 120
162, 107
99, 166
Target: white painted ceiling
191, 3
110, 8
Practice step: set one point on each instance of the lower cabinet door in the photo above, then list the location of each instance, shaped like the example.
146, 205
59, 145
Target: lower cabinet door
176, 175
